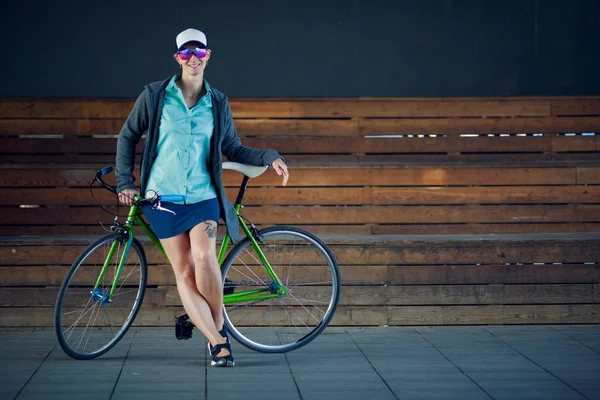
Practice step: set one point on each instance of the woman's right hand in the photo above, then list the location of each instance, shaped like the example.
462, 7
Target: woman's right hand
126, 196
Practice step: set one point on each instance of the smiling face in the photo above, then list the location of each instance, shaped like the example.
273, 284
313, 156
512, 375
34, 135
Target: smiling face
194, 65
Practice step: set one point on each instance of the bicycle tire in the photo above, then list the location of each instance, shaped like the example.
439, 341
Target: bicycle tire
84, 263
284, 239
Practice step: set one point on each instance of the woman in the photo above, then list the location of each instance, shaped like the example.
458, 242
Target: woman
189, 126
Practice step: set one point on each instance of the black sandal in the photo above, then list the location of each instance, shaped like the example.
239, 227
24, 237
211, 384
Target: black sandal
223, 333
184, 327
223, 361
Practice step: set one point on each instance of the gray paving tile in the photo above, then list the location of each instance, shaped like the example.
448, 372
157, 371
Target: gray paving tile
590, 340
523, 385
436, 385
581, 380
11, 385
446, 375
423, 392
163, 386
95, 389
182, 394
588, 329
325, 363
21, 367
592, 394
363, 385
259, 394
558, 362
63, 396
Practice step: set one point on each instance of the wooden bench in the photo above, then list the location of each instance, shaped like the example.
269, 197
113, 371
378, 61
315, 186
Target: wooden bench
441, 211
397, 280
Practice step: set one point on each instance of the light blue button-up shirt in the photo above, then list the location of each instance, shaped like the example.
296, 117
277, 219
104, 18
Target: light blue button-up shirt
183, 147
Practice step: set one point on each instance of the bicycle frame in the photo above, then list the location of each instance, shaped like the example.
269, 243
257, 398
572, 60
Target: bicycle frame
135, 217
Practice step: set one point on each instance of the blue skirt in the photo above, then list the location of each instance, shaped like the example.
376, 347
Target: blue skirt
166, 225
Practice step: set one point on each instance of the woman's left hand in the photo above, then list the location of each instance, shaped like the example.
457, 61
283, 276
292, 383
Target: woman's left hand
281, 169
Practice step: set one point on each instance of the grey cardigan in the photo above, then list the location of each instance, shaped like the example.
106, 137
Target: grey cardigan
145, 117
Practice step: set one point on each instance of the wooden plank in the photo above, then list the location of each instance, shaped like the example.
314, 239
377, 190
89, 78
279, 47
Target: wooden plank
453, 229
478, 195
429, 144
163, 316
391, 108
296, 127
420, 295
49, 176
73, 175
471, 159
576, 143
409, 214
323, 159
576, 106
46, 297
84, 127
341, 229
326, 127
362, 295
65, 108
11, 145
491, 274
290, 215
322, 108
96, 230
162, 275
303, 108
290, 145
335, 196
365, 315
431, 253
244, 127
588, 175
458, 126
494, 314
60, 159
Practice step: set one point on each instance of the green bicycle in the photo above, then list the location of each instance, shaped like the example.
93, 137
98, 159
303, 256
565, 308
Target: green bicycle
281, 284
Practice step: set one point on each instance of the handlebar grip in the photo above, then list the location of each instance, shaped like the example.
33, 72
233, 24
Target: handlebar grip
105, 170
172, 197
98, 178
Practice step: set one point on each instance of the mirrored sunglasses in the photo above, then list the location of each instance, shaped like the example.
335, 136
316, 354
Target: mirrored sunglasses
186, 54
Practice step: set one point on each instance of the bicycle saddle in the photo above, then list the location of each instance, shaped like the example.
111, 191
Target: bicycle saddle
251, 171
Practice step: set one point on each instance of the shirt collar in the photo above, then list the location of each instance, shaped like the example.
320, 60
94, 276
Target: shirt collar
172, 85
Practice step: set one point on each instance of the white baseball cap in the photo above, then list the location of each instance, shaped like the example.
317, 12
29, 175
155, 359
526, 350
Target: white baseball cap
190, 35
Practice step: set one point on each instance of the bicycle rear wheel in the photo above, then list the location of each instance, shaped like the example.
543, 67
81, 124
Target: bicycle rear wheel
87, 325
305, 266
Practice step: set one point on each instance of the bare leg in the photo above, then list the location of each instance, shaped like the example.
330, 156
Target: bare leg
208, 272
179, 252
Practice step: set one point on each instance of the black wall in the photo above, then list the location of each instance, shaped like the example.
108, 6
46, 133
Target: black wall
275, 48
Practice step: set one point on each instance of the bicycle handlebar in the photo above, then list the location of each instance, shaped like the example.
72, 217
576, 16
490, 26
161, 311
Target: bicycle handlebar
153, 199
100, 173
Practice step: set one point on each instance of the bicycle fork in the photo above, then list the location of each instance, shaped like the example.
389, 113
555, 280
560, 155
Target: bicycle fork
97, 293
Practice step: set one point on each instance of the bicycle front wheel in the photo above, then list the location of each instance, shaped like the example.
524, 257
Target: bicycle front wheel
310, 274
86, 322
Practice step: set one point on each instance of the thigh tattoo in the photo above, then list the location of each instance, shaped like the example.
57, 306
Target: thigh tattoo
211, 229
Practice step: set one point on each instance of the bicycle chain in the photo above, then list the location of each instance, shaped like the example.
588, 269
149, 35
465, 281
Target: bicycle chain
247, 283
245, 305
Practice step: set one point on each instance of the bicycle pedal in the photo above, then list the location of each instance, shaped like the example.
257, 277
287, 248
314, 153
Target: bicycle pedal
228, 287
183, 327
